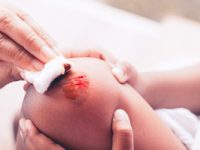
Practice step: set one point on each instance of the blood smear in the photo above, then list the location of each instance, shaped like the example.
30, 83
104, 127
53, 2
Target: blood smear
80, 82
76, 88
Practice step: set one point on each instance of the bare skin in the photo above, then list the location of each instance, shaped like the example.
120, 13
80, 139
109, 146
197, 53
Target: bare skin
121, 127
178, 88
23, 44
89, 117
32, 139
169, 89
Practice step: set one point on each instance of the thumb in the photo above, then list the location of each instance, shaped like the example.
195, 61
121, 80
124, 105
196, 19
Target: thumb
125, 72
33, 139
122, 131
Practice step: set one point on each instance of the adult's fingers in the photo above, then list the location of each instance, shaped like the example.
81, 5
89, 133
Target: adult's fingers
38, 30
125, 72
8, 73
30, 21
122, 71
15, 28
100, 54
31, 139
13, 53
122, 131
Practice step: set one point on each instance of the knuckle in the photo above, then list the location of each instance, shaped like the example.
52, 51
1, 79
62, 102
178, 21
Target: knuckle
47, 38
96, 53
126, 65
2, 39
31, 39
126, 138
44, 35
12, 52
124, 132
129, 69
5, 47
19, 55
23, 15
6, 18
127, 145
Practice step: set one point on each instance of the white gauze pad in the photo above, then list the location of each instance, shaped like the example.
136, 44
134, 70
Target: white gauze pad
41, 80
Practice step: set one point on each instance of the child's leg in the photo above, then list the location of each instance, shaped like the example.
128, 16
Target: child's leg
150, 133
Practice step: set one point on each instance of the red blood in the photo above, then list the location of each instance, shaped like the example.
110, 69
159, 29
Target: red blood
76, 88
80, 82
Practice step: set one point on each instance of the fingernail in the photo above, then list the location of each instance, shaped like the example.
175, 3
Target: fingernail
121, 115
47, 53
28, 124
22, 124
119, 74
37, 65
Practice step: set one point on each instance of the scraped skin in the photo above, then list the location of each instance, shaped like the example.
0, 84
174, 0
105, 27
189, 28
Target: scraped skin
76, 112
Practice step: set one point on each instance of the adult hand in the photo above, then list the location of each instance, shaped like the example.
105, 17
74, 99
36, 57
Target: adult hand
125, 72
99, 54
22, 43
122, 131
122, 71
31, 139
8, 73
